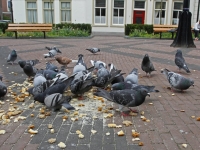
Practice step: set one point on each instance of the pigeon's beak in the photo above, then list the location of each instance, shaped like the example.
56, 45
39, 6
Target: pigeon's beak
148, 94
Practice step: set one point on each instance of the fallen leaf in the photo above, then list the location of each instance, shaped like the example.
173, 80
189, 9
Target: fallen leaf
81, 136
127, 123
93, 131
50, 126
136, 139
78, 132
2, 132
140, 143
61, 145
52, 140
108, 133
184, 145
52, 131
112, 125
32, 131
120, 133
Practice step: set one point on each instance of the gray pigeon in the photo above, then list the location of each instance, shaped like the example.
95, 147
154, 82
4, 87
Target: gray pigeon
125, 98
57, 88
22, 63
180, 61
125, 85
29, 70
50, 66
56, 101
52, 52
38, 79
118, 78
93, 50
80, 65
81, 83
12, 56
96, 64
3, 88
132, 77
53, 48
49, 74
147, 65
177, 81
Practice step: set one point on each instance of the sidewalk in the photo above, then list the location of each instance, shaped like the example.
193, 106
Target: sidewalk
172, 117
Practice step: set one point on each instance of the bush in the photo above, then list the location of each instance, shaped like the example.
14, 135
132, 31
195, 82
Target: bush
129, 28
3, 26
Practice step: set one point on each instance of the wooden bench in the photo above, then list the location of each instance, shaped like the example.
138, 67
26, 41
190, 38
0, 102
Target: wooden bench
165, 28
29, 28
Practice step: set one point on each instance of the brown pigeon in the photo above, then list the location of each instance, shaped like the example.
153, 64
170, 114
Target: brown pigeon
64, 60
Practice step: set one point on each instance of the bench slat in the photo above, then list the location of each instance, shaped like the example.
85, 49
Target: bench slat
29, 25
164, 26
29, 28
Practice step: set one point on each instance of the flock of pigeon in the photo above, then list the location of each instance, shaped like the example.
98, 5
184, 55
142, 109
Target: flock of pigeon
50, 83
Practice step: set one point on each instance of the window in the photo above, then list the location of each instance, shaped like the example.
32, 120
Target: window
118, 12
100, 11
178, 7
139, 4
31, 12
48, 12
159, 13
65, 12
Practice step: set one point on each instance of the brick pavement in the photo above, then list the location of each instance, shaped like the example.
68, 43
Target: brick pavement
170, 126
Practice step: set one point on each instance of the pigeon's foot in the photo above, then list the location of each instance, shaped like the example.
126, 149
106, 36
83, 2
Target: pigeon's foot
134, 111
124, 114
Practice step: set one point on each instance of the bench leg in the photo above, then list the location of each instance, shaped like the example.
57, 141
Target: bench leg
160, 35
16, 34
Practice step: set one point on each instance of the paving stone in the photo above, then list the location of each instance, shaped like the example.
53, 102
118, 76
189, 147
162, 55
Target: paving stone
82, 147
37, 138
86, 131
108, 147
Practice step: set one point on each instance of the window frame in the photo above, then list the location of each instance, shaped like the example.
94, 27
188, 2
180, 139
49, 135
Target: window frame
31, 1
43, 9
178, 10
113, 24
154, 9
106, 14
65, 1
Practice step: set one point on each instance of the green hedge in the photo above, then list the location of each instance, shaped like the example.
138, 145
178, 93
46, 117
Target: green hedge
129, 28
3, 26
86, 27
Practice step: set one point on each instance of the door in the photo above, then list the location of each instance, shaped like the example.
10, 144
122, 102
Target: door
138, 16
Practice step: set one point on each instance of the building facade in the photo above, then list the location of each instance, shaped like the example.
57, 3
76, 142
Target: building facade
104, 15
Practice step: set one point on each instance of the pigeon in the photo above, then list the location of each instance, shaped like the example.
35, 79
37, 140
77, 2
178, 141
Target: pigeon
38, 79
177, 81
53, 48
80, 65
93, 50
57, 100
29, 70
125, 98
96, 64
3, 88
147, 65
180, 61
52, 52
50, 66
64, 60
22, 63
125, 85
82, 83
132, 77
12, 56
57, 88
62, 70
118, 78
49, 74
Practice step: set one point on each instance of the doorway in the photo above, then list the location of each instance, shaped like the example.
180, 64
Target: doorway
138, 16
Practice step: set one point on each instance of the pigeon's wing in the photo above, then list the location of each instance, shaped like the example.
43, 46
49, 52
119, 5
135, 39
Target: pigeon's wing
151, 66
174, 79
179, 62
9, 58
67, 106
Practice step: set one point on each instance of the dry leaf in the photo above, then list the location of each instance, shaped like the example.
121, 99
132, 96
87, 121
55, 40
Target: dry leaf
81, 136
184, 145
64, 117
109, 115
32, 115
193, 117
108, 133
93, 131
127, 123
78, 132
31, 105
32, 131
135, 134
61, 145
136, 139
120, 133
48, 113
99, 108
150, 103
52, 131
112, 125
198, 119
50, 126
41, 116
140, 143
81, 105
2, 132
132, 113
173, 94
147, 120
75, 113
31, 126
94, 117
182, 110
52, 140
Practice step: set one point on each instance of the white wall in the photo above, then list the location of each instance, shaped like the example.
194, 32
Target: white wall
19, 12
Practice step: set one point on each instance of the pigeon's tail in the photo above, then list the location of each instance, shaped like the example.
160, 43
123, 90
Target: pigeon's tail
49, 48
88, 49
185, 67
103, 93
74, 61
92, 62
134, 71
67, 106
30, 90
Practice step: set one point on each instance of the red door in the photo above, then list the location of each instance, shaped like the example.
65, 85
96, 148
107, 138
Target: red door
138, 16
